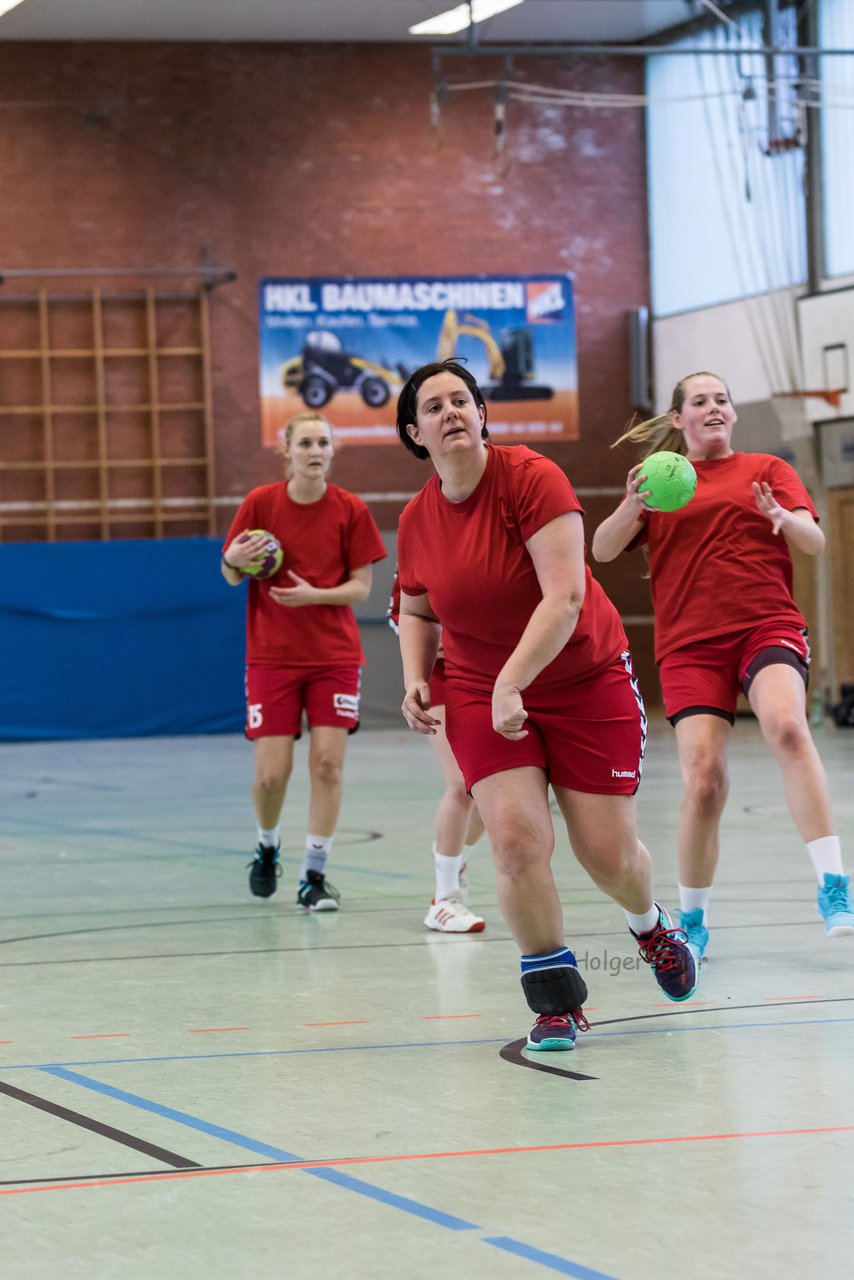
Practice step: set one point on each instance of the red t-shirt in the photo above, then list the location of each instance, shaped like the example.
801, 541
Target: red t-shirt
470, 558
323, 542
715, 566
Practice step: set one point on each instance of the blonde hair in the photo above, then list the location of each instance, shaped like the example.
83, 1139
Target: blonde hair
287, 432
659, 432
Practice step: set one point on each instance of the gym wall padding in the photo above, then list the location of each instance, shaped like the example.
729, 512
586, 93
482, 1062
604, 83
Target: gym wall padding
118, 639
133, 638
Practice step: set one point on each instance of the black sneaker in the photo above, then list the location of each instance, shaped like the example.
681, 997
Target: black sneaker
264, 871
317, 894
665, 948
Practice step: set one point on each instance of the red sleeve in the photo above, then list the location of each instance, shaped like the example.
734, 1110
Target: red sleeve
406, 573
789, 488
243, 520
541, 494
364, 544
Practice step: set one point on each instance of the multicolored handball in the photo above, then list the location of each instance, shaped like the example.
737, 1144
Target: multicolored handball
269, 561
670, 481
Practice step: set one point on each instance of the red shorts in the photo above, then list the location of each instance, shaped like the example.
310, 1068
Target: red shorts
438, 684
276, 698
588, 736
709, 675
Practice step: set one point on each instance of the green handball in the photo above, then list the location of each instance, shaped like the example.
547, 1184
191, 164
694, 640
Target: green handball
669, 481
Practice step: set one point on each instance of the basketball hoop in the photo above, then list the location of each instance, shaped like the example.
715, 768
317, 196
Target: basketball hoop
831, 396
795, 419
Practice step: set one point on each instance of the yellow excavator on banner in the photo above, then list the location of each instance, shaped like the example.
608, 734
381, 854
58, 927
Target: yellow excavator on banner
511, 364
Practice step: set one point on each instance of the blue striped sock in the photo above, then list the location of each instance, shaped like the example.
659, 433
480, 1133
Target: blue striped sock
560, 959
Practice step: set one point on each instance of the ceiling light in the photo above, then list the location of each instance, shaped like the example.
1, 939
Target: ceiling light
6, 5
457, 19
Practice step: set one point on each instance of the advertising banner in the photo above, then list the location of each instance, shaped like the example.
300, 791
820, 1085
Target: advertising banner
345, 347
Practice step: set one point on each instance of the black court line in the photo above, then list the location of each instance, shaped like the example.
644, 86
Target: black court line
479, 941
141, 1173
513, 1053
95, 1126
722, 1008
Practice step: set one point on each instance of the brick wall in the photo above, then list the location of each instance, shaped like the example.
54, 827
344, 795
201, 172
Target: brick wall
321, 160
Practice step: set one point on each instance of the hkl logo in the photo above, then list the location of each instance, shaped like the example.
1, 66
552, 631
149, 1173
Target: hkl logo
545, 300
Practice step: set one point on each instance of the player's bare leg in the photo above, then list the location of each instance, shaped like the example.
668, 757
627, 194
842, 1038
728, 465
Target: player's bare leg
777, 696
274, 758
702, 742
603, 834
326, 770
515, 809
327, 749
514, 806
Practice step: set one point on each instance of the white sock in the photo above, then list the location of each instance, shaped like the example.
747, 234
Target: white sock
643, 924
316, 852
826, 855
270, 837
695, 900
447, 874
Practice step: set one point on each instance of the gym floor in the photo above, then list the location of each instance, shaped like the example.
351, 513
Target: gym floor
215, 1083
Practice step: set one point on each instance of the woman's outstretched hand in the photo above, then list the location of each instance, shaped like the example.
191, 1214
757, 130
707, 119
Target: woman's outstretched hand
769, 506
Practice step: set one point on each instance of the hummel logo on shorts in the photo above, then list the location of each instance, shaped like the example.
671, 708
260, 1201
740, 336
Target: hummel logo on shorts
623, 773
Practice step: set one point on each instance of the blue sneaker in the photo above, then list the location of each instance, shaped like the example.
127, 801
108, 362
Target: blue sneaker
835, 906
691, 922
665, 949
553, 1031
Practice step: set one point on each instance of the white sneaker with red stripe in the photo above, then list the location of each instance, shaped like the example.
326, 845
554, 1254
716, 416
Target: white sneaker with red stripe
450, 915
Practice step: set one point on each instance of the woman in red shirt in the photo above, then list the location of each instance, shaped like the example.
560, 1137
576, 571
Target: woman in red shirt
726, 621
539, 687
303, 651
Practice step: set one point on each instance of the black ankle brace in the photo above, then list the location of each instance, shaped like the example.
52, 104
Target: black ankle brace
554, 990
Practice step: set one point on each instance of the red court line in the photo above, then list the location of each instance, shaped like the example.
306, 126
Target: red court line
353, 1022
668, 1004
198, 1031
428, 1155
103, 1035
447, 1017
7, 1041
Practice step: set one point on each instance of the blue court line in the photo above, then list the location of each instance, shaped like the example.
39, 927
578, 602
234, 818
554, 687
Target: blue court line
410, 1044
343, 1180
180, 1117
395, 1202
249, 1053
552, 1260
